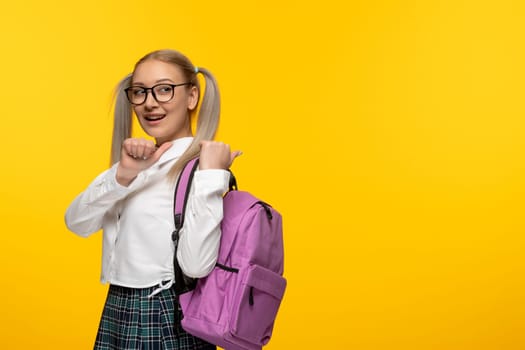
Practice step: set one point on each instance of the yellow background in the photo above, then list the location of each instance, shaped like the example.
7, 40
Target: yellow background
390, 134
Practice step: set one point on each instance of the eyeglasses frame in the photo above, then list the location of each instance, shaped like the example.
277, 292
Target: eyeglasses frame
153, 92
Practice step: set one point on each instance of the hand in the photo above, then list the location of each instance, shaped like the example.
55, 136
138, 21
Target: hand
216, 155
137, 155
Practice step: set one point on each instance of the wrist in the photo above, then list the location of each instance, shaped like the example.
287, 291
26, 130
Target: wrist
123, 177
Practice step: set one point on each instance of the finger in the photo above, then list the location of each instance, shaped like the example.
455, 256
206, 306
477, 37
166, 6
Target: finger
143, 147
234, 155
160, 151
149, 149
139, 151
205, 143
127, 148
132, 148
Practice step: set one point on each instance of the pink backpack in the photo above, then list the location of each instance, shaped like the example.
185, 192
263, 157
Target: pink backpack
235, 306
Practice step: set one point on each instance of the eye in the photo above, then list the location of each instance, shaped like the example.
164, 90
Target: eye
138, 91
163, 90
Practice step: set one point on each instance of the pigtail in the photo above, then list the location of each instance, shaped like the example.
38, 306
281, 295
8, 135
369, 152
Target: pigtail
122, 118
207, 121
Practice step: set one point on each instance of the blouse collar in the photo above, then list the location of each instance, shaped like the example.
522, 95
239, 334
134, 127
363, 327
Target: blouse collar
178, 147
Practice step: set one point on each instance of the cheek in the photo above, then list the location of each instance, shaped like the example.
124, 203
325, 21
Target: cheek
177, 108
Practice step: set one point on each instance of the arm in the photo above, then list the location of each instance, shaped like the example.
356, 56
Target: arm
200, 237
84, 215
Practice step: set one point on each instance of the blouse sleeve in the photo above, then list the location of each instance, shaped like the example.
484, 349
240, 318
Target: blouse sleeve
199, 240
85, 214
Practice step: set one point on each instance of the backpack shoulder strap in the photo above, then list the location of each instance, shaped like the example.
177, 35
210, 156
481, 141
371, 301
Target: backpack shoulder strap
182, 191
183, 283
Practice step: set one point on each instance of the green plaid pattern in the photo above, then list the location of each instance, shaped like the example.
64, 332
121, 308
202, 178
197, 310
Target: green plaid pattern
132, 321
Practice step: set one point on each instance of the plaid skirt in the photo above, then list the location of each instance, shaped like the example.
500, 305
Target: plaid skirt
132, 321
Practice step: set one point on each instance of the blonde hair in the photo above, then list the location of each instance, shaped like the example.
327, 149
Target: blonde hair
207, 118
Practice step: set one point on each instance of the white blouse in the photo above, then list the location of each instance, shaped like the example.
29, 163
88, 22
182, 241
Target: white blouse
137, 222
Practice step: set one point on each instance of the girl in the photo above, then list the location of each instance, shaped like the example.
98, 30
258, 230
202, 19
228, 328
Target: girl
133, 202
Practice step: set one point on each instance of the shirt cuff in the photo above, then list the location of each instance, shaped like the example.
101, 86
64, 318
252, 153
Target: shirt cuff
211, 180
109, 182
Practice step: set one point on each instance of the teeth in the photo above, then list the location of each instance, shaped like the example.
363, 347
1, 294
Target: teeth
154, 117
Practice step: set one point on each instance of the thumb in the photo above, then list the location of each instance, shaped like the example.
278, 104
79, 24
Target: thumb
160, 151
234, 155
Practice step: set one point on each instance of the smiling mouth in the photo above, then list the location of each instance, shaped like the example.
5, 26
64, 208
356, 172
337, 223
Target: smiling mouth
152, 118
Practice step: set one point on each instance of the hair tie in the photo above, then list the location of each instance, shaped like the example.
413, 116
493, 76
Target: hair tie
196, 69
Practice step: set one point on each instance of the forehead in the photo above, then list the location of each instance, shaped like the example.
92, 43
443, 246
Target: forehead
151, 71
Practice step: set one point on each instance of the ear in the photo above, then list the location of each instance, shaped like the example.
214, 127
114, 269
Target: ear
193, 98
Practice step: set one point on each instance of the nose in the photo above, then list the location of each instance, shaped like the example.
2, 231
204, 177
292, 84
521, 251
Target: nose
150, 100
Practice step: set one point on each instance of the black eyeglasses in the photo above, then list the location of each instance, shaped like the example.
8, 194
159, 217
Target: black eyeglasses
137, 95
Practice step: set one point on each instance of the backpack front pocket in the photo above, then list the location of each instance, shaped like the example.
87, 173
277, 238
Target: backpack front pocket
255, 305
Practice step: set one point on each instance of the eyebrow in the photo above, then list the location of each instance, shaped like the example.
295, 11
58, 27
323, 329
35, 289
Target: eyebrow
156, 82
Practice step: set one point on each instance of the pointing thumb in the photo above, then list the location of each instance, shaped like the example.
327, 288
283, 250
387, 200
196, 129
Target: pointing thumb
160, 151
